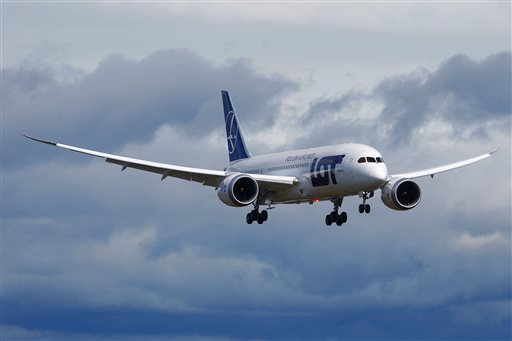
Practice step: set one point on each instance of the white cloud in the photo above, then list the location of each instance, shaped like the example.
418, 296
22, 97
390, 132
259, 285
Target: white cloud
468, 241
438, 18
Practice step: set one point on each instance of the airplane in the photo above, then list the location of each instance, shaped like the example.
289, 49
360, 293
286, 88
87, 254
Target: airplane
328, 173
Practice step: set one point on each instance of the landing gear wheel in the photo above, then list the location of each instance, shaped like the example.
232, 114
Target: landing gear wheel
334, 217
361, 208
255, 215
364, 207
344, 217
339, 220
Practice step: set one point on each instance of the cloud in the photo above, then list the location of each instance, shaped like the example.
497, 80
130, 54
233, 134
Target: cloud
469, 98
450, 19
478, 242
460, 90
89, 250
126, 100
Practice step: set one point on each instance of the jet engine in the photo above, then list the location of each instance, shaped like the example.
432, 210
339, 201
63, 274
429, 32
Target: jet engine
401, 194
238, 190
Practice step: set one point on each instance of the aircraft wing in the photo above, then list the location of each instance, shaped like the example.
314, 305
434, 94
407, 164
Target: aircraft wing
207, 177
440, 169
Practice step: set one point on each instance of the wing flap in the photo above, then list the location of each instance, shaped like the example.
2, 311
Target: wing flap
205, 179
275, 179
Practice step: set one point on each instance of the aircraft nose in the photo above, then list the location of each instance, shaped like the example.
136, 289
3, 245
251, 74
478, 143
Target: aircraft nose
378, 175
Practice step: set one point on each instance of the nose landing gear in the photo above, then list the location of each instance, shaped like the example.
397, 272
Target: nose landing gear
364, 207
335, 217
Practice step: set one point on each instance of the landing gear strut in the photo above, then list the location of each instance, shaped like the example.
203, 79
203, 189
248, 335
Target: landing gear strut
334, 217
364, 207
254, 215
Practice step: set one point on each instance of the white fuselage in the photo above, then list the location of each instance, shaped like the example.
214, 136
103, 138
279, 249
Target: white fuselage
323, 172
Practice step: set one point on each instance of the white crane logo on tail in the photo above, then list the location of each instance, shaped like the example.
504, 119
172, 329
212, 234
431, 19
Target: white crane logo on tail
232, 126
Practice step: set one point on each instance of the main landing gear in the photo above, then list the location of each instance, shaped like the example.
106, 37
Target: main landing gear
335, 217
364, 207
254, 215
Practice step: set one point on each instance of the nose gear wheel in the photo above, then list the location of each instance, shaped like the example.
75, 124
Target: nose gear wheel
364, 207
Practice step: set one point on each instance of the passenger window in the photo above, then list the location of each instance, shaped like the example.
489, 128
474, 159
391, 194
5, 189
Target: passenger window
370, 159
361, 160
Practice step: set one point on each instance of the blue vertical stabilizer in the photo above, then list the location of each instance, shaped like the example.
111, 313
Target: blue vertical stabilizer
236, 145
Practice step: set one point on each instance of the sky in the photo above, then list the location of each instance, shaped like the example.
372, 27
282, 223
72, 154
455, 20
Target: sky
88, 252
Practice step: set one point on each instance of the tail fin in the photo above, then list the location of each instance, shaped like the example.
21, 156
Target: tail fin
236, 145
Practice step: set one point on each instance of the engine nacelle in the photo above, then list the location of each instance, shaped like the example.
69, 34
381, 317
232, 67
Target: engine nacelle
401, 194
238, 190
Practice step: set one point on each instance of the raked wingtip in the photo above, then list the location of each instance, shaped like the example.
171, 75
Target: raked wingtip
495, 150
39, 140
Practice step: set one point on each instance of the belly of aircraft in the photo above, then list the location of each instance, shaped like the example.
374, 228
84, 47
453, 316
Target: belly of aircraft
310, 193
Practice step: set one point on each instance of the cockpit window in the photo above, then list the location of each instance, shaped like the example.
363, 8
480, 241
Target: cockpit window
364, 159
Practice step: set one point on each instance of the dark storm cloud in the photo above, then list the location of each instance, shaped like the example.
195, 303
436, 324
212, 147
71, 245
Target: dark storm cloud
464, 92
461, 90
127, 100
